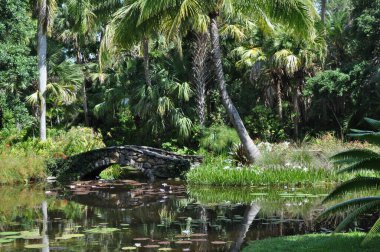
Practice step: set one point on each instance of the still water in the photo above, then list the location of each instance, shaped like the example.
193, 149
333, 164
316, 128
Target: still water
165, 216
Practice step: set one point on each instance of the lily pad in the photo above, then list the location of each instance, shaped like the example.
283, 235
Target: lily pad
2, 241
141, 239
36, 246
151, 246
165, 249
8, 233
128, 248
100, 230
69, 236
183, 242
218, 242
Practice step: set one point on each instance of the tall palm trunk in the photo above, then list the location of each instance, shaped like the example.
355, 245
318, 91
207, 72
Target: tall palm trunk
42, 65
85, 106
251, 149
84, 91
296, 110
148, 79
200, 74
323, 10
45, 237
279, 98
249, 215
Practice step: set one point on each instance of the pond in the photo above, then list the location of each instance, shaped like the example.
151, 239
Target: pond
164, 216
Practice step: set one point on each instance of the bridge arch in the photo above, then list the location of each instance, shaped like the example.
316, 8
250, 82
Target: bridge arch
150, 161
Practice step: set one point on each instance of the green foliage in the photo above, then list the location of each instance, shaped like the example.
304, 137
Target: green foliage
356, 161
238, 155
315, 242
220, 171
21, 167
112, 172
26, 159
219, 139
328, 83
263, 124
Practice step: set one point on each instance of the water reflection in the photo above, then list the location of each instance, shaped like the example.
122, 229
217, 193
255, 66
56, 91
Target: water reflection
105, 216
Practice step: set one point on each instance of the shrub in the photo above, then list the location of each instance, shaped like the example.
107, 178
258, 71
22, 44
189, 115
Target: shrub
219, 139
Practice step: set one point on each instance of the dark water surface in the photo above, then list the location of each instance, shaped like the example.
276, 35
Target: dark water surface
165, 216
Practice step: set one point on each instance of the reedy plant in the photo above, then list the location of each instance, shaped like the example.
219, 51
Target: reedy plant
357, 160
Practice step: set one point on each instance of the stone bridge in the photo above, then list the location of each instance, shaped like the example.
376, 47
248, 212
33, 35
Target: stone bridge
150, 161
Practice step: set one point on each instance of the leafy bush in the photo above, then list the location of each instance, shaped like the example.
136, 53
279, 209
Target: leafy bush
25, 160
265, 125
219, 139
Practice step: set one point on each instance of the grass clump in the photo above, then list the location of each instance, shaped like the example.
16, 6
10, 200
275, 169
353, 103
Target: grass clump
220, 174
219, 139
21, 167
280, 163
315, 242
23, 160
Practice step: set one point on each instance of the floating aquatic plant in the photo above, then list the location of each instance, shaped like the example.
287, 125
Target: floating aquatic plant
102, 230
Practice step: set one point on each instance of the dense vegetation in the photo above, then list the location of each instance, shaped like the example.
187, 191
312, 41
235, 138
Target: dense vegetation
159, 86
266, 91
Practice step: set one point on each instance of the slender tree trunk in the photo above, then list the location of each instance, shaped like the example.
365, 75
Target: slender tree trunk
85, 106
200, 74
251, 149
148, 79
249, 215
42, 65
279, 98
84, 91
45, 236
296, 111
323, 10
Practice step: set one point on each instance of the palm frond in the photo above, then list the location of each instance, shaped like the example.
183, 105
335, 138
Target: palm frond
369, 136
343, 206
353, 155
354, 184
374, 123
371, 164
372, 233
356, 213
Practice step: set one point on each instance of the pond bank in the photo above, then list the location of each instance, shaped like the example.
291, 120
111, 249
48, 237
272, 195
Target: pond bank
316, 242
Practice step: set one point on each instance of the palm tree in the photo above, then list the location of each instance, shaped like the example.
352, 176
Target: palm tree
77, 22
200, 74
46, 13
295, 13
354, 161
284, 61
323, 10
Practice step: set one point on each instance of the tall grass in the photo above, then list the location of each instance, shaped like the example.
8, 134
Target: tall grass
23, 161
20, 167
282, 163
252, 176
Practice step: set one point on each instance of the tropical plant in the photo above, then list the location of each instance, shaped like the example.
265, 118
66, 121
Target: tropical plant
357, 160
77, 25
296, 14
